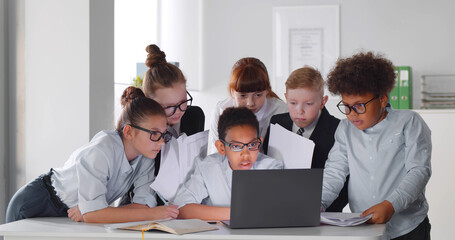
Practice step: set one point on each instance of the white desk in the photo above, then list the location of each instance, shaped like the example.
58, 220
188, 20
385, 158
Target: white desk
64, 228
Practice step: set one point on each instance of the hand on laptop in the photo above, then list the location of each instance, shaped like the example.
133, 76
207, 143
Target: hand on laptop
382, 212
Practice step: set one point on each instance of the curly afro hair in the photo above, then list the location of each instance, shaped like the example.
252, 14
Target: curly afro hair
362, 73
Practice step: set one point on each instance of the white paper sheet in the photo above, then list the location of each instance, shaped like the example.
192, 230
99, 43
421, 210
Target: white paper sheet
343, 219
295, 151
177, 160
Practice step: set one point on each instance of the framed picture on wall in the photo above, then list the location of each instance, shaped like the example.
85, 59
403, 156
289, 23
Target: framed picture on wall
304, 35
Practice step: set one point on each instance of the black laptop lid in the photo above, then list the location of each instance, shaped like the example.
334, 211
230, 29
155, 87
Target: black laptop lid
276, 198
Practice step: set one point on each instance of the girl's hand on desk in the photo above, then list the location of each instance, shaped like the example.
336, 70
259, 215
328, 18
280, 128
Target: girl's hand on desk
163, 212
382, 212
75, 214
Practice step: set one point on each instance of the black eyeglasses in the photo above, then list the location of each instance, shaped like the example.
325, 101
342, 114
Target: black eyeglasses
183, 106
359, 108
155, 136
237, 146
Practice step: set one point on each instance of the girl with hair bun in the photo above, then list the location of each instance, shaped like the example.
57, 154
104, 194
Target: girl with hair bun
164, 82
249, 87
103, 170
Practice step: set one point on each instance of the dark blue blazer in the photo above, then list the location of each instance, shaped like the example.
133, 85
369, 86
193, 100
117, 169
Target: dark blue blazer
323, 137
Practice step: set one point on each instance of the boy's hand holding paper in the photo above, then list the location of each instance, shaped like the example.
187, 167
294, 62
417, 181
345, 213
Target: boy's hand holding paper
381, 212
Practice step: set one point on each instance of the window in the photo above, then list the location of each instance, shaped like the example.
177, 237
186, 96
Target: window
135, 28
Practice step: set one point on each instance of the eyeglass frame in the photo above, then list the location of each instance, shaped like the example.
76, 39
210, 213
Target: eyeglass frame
353, 108
162, 135
190, 100
243, 145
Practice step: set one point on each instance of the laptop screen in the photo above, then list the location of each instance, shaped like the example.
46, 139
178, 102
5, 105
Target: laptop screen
276, 198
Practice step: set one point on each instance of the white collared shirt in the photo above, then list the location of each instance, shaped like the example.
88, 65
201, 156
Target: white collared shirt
98, 173
271, 107
211, 180
308, 129
389, 161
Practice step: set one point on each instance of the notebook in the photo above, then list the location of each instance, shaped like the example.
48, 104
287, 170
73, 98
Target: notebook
275, 198
175, 226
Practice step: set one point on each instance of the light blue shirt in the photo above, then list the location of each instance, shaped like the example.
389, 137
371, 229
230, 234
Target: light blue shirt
98, 173
211, 181
389, 161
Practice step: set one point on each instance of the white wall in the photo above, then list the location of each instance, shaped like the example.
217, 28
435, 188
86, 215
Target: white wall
179, 36
135, 28
56, 82
16, 100
61, 75
3, 114
101, 59
415, 33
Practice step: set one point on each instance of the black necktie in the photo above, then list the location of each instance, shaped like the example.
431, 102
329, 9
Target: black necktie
300, 131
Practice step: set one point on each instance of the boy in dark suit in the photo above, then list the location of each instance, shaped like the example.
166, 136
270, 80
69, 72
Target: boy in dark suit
309, 118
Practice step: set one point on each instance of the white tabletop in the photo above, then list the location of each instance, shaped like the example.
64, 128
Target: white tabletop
64, 228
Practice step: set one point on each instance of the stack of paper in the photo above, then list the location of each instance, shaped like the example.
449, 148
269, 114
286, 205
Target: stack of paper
343, 219
294, 150
177, 160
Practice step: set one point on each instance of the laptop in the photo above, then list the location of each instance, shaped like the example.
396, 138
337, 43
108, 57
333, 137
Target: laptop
275, 198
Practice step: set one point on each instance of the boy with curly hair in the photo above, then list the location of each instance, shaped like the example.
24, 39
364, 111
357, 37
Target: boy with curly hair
386, 152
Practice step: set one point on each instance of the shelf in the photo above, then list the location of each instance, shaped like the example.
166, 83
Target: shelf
438, 91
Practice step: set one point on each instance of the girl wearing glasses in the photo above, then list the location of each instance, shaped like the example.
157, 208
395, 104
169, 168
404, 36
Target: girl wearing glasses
386, 152
207, 193
103, 170
249, 87
165, 83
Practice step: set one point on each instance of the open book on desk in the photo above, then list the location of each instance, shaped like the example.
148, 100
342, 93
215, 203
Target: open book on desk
175, 226
343, 219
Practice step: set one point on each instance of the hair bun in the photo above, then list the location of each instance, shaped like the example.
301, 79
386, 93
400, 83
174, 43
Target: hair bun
129, 94
154, 56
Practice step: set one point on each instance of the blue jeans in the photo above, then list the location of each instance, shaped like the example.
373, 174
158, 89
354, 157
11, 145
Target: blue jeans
36, 199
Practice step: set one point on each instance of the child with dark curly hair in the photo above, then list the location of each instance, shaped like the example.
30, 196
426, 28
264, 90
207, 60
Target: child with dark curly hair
386, 152
207, 193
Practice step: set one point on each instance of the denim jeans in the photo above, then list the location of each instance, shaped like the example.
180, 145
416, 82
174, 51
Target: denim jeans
36, 199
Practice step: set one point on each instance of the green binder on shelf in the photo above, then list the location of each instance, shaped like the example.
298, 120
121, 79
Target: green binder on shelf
394, 94
401, 95
405, 87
